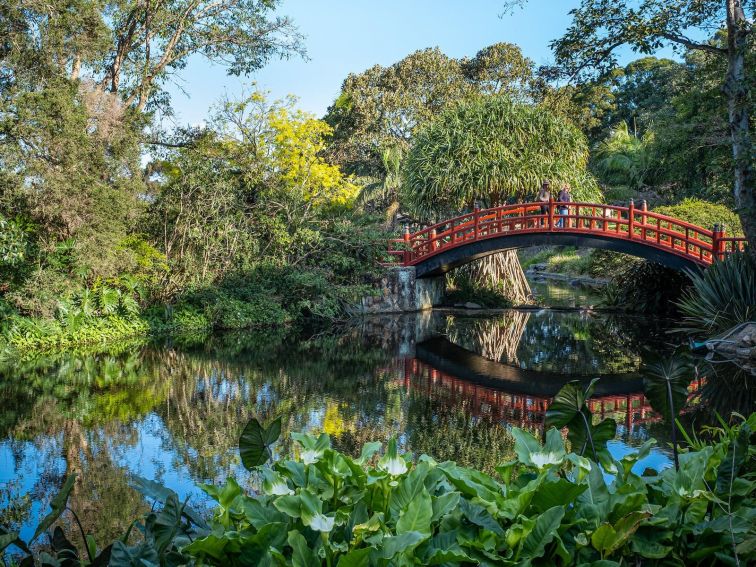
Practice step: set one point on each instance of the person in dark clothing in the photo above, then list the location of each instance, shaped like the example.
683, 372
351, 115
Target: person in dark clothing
544, 196
564, 198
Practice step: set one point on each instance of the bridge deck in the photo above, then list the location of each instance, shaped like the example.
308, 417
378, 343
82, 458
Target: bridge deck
565, 221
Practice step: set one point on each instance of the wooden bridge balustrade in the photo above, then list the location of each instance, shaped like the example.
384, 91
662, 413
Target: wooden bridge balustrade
693, 243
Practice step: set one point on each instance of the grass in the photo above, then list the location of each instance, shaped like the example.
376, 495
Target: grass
559, 260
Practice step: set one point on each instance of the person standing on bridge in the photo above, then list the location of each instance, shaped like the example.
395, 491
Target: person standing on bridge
544, 196
564, 198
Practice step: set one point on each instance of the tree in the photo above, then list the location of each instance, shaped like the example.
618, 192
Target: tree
75, 78
624, 159
488, 151
130, 47
251, 186
384, 107
501, 69
599, 27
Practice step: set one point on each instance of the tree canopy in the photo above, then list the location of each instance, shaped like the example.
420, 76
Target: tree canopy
493, 149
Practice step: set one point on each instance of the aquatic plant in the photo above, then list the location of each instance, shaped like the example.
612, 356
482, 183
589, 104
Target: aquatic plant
549, 506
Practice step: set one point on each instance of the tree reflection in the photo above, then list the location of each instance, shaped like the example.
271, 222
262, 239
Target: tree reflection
566, 342
180, 407
493, 338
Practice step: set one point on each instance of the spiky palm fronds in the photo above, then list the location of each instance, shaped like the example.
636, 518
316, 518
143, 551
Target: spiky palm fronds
721, 297
492, 149
385, 189
623, 159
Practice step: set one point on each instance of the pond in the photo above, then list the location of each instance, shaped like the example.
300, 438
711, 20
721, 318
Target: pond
446, 384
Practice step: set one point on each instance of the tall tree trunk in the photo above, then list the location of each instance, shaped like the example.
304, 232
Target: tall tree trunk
502, 271
738, 100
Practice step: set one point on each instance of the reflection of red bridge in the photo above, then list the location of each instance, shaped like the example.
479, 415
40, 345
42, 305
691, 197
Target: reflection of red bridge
526, 411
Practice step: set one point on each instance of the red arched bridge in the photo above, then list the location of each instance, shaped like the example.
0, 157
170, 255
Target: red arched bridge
632, 230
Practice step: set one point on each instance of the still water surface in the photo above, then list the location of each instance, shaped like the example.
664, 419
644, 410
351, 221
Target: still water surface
449, 385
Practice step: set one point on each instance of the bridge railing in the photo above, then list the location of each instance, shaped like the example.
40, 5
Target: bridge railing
610, 221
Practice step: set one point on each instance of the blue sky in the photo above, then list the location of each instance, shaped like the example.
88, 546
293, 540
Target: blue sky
343, 36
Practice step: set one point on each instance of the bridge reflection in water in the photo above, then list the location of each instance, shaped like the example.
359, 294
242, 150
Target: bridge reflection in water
503, 393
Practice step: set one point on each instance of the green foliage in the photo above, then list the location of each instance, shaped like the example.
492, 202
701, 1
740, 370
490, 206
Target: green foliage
569, 409
665, 385
13, 244
640, 286
562, 260
461, 288
720, 297
548, 506
255, 442
704, 214
490, 150
623, 159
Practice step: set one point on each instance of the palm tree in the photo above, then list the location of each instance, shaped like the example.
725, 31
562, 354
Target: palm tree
624, 159
491, 150
383, 194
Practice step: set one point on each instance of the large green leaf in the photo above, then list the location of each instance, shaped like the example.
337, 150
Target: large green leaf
569, 409
665, 385
444, 504
356, 558
302, 555
479, 516
57, 506
417, 516
609, 538
556, 492
568, 403
255, 442
409, 487
543, 533
733, 460
402, 543
600, 434
142, 554
211, 546
151, 489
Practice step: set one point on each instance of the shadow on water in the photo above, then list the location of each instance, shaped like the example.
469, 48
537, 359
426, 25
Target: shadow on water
447, 385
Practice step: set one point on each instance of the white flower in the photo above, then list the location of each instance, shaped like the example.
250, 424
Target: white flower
540, 460
321, 523
394, 467
278, 488
309, 456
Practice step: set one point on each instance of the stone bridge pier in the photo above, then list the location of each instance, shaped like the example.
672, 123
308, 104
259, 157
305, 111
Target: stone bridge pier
401, 291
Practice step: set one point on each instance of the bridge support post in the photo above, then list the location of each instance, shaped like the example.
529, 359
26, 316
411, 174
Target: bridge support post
631, 219
551, 213
401, 291
644, 208
407, 253
717, 245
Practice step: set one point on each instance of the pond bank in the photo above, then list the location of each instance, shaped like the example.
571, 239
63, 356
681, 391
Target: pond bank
571, 279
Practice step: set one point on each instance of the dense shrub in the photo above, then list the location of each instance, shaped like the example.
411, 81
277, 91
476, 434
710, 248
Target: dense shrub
704, 214
230, 313
645, 287
721, 296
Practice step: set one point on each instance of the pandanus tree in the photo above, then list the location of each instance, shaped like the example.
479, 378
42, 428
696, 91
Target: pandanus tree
491, 150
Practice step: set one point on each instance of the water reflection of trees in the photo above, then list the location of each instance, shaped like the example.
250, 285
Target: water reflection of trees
88, 414
579, 343
493, 338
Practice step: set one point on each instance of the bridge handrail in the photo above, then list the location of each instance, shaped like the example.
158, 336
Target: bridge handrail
630, 223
